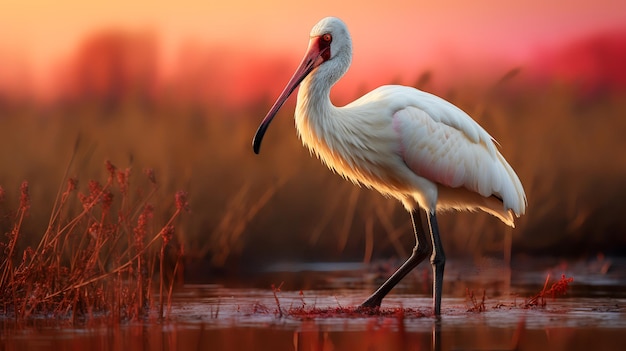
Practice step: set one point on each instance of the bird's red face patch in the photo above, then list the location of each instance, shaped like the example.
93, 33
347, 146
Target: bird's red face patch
323, 45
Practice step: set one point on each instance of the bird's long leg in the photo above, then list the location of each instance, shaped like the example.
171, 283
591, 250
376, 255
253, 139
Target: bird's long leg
421, 251
438, 261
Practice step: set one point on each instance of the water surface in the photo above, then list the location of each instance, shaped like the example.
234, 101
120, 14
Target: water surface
314, 310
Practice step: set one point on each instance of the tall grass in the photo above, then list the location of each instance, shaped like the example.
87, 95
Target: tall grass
101, 256
250, 210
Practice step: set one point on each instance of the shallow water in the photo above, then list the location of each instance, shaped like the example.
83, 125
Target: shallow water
249, 315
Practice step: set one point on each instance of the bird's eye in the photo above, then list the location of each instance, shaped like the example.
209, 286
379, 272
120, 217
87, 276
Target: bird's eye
327, 37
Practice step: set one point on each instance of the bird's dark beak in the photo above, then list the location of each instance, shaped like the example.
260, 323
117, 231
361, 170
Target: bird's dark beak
315, 56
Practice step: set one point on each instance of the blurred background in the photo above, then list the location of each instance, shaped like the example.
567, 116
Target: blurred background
180, 87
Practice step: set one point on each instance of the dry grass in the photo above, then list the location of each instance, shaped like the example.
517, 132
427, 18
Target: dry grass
101, 256
284, 205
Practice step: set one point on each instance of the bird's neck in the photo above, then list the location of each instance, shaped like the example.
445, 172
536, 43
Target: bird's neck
314, 93
317, 119
315, 114
314, 98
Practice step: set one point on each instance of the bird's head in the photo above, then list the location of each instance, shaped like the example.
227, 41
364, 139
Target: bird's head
332, 33
329, 42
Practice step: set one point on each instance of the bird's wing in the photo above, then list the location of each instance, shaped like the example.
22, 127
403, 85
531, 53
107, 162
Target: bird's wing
398, 97
443, 144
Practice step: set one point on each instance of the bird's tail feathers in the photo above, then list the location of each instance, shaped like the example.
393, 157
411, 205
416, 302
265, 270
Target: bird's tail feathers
515, 200
463, 199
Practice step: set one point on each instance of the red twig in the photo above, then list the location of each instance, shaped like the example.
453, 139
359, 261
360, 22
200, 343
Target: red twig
276, 290
559, 288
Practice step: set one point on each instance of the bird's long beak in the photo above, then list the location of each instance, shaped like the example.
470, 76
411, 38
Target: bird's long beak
315, 56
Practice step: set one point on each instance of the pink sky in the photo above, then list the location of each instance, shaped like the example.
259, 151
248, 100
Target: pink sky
406, 35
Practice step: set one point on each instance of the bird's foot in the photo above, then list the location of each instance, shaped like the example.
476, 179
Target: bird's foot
372, 302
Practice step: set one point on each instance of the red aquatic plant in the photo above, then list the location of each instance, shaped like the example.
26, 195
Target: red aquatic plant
352, 312
276, 290
476, 305
559, 288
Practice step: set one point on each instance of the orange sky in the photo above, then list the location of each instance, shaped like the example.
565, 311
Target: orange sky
39, 34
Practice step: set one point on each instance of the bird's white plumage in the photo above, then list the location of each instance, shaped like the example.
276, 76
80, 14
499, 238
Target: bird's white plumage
404, 142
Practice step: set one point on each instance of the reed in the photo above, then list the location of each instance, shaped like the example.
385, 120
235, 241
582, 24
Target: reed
251, 210
98, 256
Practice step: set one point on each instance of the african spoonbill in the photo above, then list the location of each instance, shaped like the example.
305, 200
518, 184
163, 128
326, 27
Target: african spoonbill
403, 142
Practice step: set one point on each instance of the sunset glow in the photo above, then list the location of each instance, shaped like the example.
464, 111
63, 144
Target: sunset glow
134, 201
391, 39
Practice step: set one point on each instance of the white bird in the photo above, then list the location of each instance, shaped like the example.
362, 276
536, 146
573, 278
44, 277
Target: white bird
403, 142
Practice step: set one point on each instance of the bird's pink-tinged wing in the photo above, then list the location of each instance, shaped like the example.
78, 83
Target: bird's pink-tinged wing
446, 146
